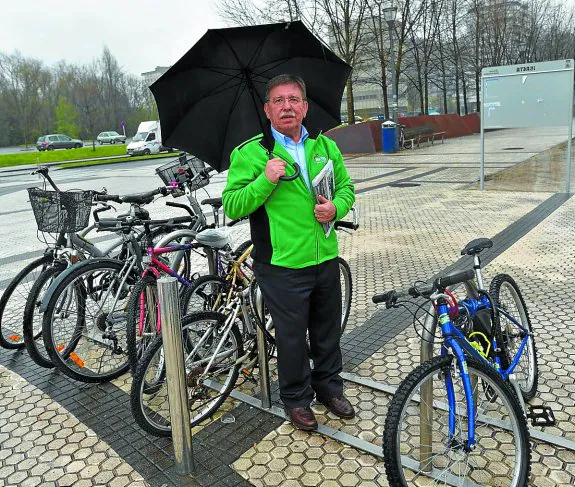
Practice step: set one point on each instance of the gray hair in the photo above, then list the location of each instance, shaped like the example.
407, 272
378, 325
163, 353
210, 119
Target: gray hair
285, 79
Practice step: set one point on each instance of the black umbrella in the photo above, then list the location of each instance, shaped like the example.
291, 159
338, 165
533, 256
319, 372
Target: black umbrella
212, 99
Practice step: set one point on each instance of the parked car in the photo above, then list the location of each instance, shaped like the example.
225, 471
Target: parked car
57, 141
111, 138
357, 118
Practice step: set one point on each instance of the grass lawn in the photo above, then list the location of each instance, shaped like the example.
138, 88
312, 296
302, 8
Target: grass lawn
35, 157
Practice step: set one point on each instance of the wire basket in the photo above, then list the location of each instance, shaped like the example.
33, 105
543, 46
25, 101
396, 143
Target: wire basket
184, 169
57, 212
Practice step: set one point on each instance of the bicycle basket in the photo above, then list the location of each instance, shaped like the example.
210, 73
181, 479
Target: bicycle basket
56, 212
184, 169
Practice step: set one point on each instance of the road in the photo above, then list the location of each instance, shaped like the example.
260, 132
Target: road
32, 148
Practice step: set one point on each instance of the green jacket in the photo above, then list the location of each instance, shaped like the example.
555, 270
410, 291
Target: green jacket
283, 226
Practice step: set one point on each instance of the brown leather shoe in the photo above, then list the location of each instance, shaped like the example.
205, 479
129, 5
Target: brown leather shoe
339, 406
302, 418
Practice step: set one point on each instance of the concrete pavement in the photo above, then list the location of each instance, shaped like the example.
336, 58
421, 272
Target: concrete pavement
418, 209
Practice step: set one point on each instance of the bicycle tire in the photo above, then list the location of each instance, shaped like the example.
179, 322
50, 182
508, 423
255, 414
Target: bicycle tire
206, 293
346, 283
13, 300
150, 408
402, 445
82, 350
507, 296
32, 321
143, 304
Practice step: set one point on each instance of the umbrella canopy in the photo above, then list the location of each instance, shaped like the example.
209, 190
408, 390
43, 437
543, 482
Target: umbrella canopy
212, 99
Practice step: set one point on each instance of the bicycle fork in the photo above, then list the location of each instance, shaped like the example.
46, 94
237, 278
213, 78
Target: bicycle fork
470, 399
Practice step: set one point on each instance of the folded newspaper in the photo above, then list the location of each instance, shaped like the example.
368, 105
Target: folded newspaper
324, 184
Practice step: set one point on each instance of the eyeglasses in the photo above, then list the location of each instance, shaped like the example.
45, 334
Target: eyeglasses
280, 100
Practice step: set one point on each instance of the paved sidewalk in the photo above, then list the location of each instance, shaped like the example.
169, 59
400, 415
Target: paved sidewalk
418, 209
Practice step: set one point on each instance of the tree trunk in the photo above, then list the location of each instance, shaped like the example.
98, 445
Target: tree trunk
464, 86
457, 102
426, 92
350, 112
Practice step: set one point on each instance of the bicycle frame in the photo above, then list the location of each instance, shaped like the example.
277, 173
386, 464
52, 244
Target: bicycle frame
461, 348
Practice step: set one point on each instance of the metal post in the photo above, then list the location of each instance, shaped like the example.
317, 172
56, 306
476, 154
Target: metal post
393, 83
176, 374
425, 412
265, 394
482, 136
569, 140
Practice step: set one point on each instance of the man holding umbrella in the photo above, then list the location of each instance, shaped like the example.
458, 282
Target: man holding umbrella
294, 262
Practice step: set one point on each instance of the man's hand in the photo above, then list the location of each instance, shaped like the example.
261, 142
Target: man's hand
324, 211
275, 168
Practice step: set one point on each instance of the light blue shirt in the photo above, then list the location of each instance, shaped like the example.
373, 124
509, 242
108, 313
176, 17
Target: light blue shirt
296, 151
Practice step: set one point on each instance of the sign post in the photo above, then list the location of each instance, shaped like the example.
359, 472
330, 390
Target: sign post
528, 95
124, 127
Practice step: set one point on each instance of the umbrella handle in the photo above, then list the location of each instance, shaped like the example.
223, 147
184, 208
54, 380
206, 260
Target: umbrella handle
294, 176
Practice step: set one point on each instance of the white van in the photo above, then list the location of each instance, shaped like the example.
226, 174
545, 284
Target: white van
148, 140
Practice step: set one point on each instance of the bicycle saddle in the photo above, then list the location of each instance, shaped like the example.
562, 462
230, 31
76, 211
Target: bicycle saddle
215, 202
476, 246
216, 238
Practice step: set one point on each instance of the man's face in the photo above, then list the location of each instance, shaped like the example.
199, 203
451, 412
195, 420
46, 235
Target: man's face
286, 109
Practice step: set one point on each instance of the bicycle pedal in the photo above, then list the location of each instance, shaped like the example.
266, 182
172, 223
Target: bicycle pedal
541, 416
249, 376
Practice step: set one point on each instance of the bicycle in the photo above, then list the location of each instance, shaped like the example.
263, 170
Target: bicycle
217, 347
83, 325
219, 342
63, 213
211, 242
457, 431
143, 318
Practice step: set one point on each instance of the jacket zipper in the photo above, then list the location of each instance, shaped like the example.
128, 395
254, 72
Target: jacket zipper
312, 196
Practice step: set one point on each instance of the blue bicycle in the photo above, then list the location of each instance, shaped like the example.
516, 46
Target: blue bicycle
459, 418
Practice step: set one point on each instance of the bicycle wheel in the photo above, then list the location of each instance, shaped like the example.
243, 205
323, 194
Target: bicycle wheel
143, 318
207, 293
507, 296
419, 449
32, 321
207, 387
13, 302
84, 326
346, 282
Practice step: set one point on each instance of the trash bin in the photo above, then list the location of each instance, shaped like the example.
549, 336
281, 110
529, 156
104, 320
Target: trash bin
388, 136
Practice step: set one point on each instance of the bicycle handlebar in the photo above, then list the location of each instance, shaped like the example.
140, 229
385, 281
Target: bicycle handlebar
181, 205
116, 223
108, 197
43, 171
235, 222
424, 290
343, 224
138, 198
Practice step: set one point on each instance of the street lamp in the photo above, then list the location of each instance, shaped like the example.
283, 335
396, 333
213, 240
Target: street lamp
389, 15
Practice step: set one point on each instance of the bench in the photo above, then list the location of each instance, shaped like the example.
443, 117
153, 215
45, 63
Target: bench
416, 135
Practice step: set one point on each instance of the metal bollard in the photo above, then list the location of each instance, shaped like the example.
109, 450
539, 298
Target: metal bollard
265, 394
175, 374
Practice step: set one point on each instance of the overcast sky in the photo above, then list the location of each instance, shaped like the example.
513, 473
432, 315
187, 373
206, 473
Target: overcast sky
141, 34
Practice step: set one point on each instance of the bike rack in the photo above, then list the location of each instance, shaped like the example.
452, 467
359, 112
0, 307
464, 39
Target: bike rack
265, 394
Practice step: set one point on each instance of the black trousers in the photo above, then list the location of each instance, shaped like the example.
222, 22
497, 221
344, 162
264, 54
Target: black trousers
301, 300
